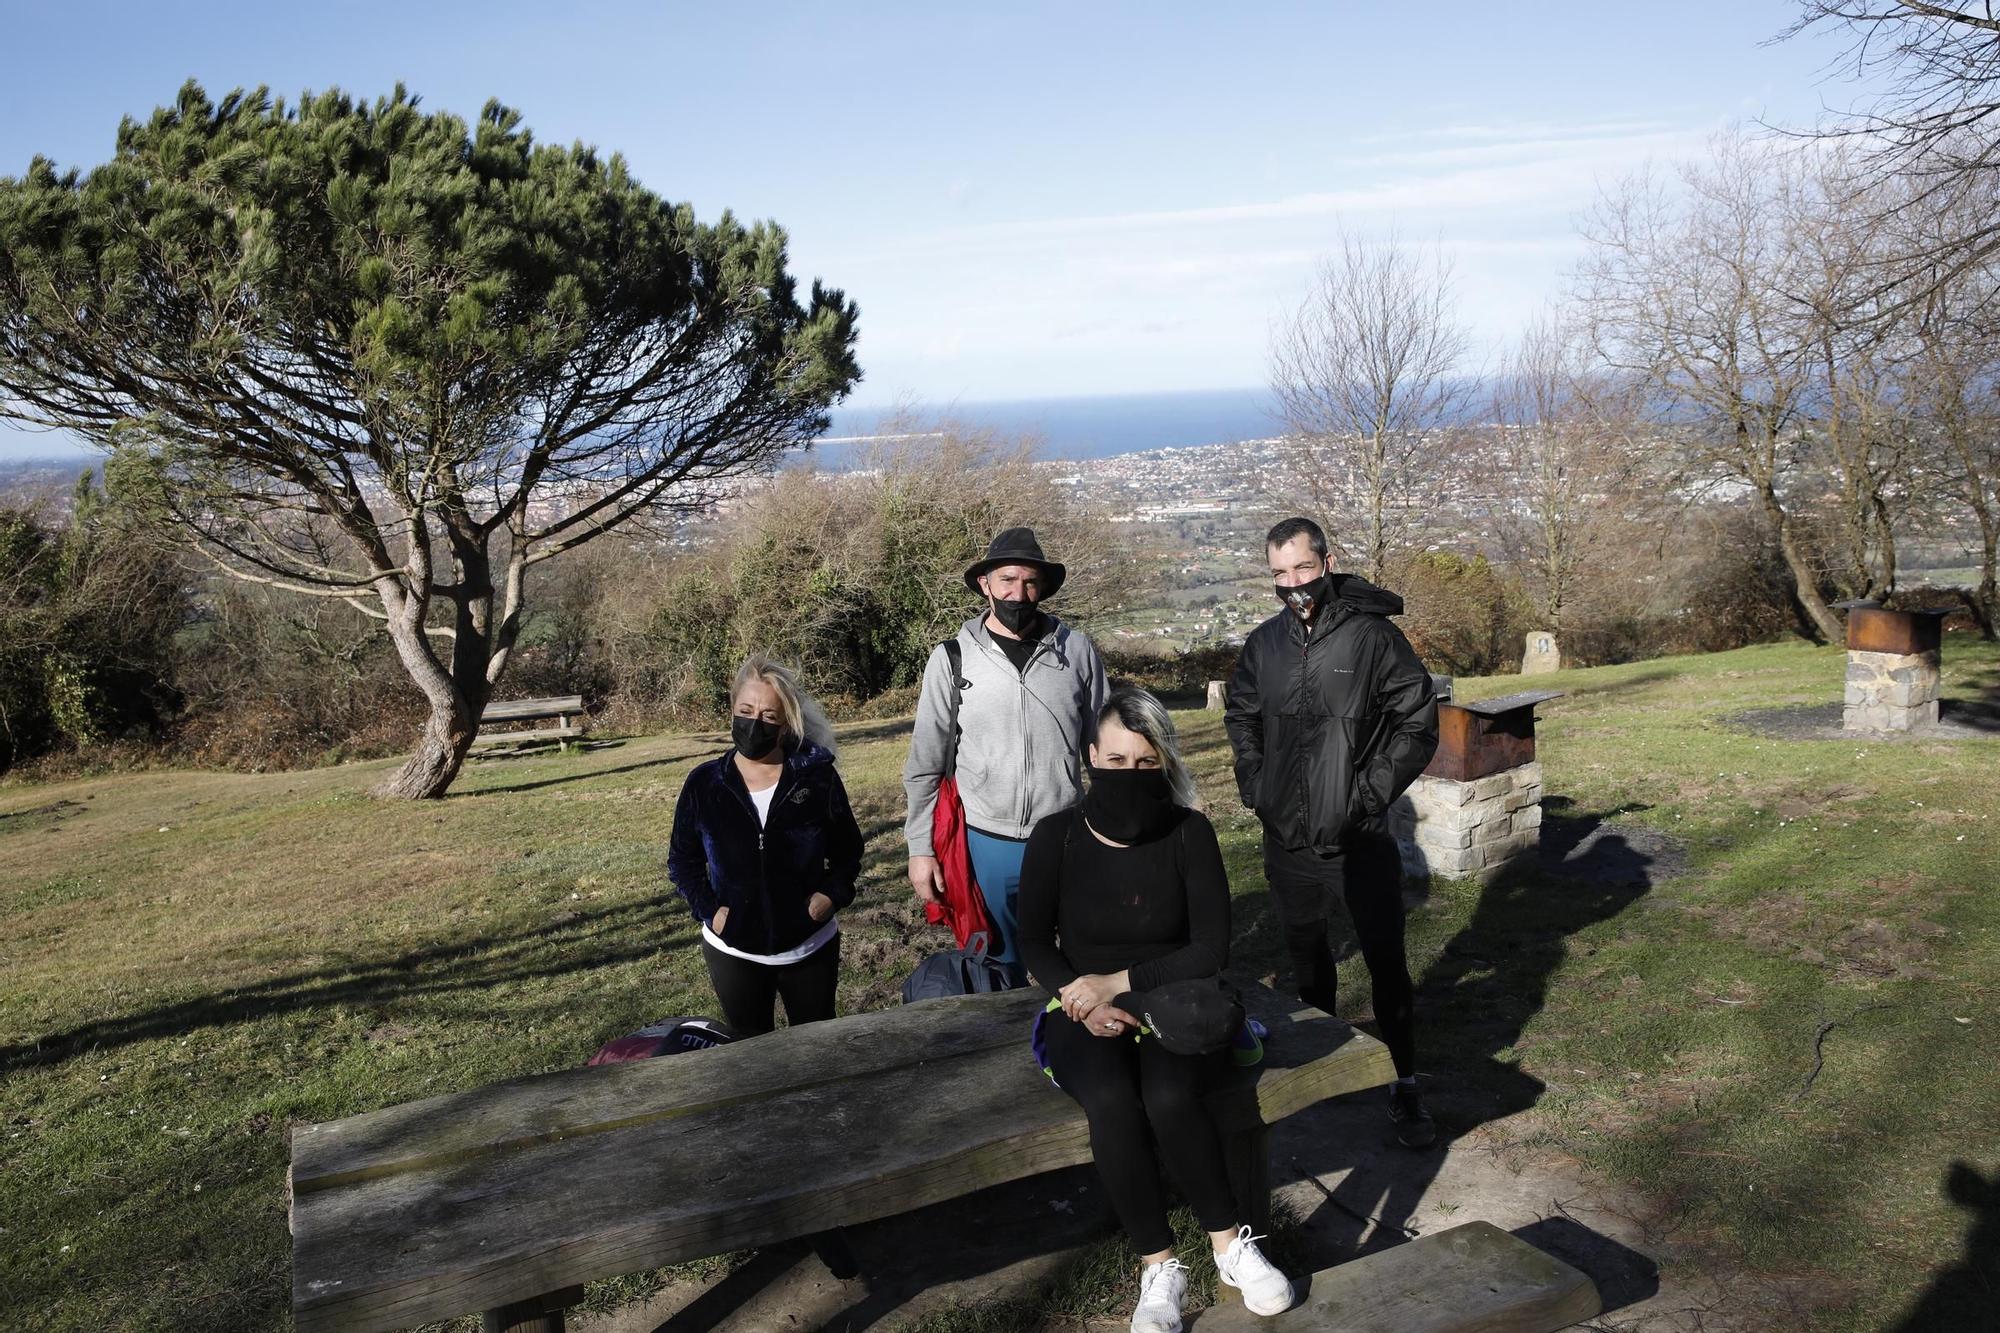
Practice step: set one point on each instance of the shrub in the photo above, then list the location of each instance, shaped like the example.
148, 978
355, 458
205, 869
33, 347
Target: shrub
1462, 615
89, 610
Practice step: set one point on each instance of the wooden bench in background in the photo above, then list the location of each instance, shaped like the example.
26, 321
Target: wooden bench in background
507, 1199
562, 709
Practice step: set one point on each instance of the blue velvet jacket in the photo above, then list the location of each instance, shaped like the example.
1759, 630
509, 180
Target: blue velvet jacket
720, 857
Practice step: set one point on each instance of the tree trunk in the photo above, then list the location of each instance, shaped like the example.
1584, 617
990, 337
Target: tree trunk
1981, 605
1988, 597
447, 738
1987, 600
457, 693
1805, 585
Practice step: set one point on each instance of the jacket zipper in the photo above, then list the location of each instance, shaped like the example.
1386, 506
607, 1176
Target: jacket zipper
1027, 758
1305, 769
1027, 764
763, 869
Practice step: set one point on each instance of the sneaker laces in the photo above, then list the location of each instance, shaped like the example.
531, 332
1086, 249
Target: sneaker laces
1245, 1247
1155, 1272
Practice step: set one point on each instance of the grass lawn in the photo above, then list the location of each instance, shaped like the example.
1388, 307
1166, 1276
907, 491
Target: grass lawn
196, 961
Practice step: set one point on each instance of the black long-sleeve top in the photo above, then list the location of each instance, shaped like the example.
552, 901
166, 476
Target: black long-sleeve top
1158, 908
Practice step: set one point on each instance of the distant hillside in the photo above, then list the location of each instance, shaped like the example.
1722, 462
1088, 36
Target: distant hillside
37, 480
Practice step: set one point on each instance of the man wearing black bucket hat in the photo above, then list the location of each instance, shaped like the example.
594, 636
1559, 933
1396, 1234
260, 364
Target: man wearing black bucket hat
1018, 716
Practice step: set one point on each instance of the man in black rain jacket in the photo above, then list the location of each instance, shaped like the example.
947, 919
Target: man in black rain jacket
1332, 716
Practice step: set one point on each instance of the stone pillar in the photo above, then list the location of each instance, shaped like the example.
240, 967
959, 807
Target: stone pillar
1456, 829
1541, 654
1891, 691
1217, 695
1478, 806
1892, 669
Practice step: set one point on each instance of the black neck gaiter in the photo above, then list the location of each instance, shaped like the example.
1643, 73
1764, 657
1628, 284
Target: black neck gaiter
1019, 615
1129, 804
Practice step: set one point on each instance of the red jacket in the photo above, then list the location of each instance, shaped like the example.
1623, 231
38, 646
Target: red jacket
963, 907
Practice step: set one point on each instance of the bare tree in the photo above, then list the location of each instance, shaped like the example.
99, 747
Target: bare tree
1953, 380
1936, 122
1838, 241
1691, 289
1573, 474
1369, 379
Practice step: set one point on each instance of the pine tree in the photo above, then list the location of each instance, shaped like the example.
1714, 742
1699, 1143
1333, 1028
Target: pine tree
371, 352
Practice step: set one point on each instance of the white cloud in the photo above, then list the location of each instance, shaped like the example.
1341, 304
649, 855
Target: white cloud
1159, 298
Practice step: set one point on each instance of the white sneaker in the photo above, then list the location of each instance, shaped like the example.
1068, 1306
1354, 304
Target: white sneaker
1161, 1287
1243, 1266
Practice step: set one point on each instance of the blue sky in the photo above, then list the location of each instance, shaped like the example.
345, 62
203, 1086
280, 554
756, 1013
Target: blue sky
1027, 200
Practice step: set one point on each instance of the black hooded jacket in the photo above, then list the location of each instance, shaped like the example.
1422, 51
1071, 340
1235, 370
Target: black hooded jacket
1330, 720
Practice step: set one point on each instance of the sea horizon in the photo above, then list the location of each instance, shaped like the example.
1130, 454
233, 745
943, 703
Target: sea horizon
1068, 427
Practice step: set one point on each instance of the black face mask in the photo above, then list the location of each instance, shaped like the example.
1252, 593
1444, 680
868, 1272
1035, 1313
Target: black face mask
1018, 616
1307, 598
753, 737
1129, 804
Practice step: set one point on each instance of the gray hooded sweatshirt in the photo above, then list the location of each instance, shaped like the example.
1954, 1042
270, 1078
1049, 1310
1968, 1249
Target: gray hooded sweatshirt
1022, 733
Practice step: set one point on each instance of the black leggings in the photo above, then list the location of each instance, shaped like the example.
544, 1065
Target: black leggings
1368, 875
1135, 1094
749, 991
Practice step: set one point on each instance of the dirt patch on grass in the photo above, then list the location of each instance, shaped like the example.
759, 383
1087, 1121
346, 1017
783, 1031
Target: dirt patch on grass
1882, 934
1800, 802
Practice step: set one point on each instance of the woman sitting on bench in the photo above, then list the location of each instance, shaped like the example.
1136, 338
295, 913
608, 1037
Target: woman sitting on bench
1127, 892
765, 850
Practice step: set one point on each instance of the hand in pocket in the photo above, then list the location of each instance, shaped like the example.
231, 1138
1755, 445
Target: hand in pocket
719, 921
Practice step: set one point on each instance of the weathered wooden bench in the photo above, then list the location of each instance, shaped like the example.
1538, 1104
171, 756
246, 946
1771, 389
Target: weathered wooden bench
508, 1198
1473, 1278
561, 708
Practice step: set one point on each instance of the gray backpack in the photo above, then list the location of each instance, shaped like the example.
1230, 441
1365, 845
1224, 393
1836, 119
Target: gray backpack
967, 971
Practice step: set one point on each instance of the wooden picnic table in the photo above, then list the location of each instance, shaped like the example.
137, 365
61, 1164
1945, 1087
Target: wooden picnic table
523, 1191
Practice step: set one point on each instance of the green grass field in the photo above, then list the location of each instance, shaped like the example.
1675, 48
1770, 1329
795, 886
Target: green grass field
196, 961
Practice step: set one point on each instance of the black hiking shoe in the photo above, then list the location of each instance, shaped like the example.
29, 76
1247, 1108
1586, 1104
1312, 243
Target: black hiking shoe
1414, 1126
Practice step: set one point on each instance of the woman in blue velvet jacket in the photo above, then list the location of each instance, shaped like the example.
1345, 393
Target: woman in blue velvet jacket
765, 850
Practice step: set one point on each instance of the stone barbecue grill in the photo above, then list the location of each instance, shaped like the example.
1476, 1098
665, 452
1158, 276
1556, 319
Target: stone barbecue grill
1478, 806
1892, 668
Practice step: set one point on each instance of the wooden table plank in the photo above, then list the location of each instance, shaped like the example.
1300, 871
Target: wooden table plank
504, 1117
1473, 1278
517, 710
524, 737
470, 1201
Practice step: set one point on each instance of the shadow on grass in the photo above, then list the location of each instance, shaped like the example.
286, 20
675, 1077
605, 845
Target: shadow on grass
1976, 714
861, 733
1601, 689
594, 773
1477, 997
1963, 1297
590, 940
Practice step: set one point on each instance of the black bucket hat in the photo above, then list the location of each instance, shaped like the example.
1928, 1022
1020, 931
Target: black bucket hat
1017, 546
1187, 1017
